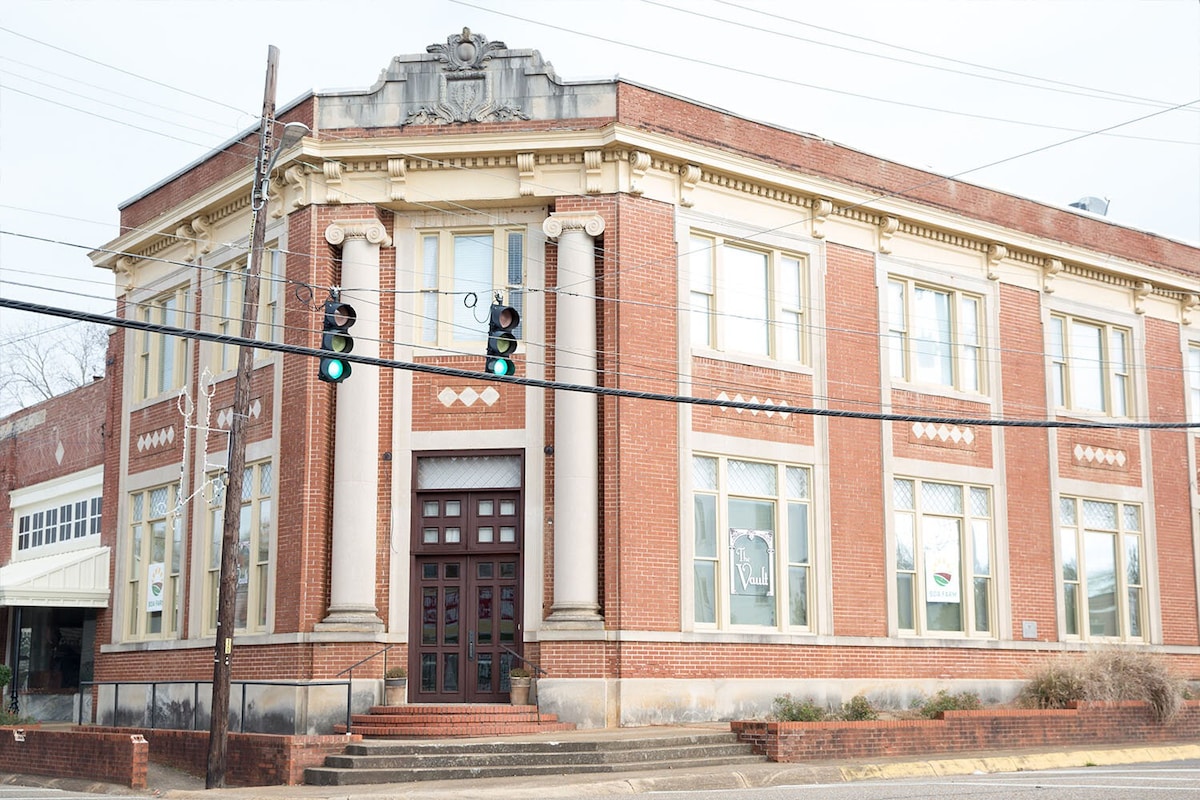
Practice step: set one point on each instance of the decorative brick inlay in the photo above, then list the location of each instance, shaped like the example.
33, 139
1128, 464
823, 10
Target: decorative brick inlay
158, 438
754, 412
225, 415
1090, 456
943, 435
468, 396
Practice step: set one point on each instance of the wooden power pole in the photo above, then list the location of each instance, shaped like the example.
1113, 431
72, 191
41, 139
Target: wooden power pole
223, 649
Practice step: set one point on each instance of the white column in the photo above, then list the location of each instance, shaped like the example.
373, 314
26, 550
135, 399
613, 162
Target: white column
576, 443
356, 437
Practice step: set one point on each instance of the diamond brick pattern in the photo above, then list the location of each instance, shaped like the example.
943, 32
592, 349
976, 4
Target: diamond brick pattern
468, 396
156, 439
740, 398
1099, 456
943, 434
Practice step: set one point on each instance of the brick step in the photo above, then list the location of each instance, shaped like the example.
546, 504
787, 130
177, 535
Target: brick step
584, 744
457, 721
561, 757
442, 730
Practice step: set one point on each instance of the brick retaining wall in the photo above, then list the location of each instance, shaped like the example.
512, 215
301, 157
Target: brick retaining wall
1083, 725
112, 757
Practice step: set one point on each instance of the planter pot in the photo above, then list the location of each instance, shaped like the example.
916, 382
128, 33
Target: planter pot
395, 691
519, 691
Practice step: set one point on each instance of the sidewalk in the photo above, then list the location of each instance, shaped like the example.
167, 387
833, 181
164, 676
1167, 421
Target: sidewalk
168, 783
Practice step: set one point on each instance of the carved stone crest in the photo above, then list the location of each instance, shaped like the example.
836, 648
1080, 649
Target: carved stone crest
465, 89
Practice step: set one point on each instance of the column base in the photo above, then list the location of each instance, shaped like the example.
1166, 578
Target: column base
585, 616
357, 620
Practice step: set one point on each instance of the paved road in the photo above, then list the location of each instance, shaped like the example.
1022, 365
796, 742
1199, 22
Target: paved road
35, 793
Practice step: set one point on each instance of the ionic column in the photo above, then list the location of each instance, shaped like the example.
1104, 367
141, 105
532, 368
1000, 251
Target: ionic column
356, 437
576, 443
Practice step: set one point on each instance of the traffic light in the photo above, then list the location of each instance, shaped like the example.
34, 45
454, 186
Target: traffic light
338, 317
502, 342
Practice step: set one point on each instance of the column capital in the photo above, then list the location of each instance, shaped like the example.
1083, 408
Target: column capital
590, 223
372, 230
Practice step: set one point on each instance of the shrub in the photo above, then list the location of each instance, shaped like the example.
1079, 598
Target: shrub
788, 709
944, 701
5, 675
1107, 676
396, 672
857, 710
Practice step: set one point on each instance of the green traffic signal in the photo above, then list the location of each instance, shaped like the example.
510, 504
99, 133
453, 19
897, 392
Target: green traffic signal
502, 342
334, 338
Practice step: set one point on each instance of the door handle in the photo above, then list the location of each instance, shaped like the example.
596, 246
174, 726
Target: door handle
470, 645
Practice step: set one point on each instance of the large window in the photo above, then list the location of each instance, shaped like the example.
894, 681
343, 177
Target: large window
944, 580
457, 267
161, 360
256, 527
934, 335
752, 557
1091, 366
154, 584
1103, 580
747, 300
1193, 382
228, 299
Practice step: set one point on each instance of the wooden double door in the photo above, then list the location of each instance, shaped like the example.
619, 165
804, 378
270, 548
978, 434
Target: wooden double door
466, 595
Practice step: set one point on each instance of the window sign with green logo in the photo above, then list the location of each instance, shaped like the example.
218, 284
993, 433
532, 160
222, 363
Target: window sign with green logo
157, 576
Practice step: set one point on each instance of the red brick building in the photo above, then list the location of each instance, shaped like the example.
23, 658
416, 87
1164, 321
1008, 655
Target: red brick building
824, 508
54, 571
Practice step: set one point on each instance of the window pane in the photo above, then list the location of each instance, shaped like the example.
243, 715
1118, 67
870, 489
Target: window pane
1101, 562
1133, 518
706, 526
472, 273
903, 495
797, 483
980, 502
700, 273
896, 329
749, 477
1070, 555
943, 573
1071, 608
798, 595
904, 601
757, 515
1133, 560
931, 337
982, 605
1099, 515
704, 473
941, 498
797, 533
744, 291
981, 546
906, 551
1066, 511
705, 591
1087, 374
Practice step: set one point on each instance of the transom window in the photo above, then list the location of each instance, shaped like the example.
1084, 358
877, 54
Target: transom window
60, 522
1091, 366
747, 300
154, 585
256, 527
944, 578
752, 546
458, 264
161, 360
934, 335
1103, 580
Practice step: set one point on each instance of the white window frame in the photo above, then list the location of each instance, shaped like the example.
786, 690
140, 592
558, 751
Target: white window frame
255, 562
228, 297
715, 559
144, 510
1192, 371
1076, 531
154, 353
443, 321
715, 266
963, 343
915, 573
1117, 392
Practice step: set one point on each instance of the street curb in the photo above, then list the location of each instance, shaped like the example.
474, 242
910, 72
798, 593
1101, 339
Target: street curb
1020, 763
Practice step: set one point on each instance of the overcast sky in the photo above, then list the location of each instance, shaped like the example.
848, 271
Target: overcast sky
101, 99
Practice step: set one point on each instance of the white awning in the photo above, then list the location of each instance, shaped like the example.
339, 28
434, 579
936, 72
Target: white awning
74, 579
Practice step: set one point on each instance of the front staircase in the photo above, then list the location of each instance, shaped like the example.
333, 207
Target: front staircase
504, 741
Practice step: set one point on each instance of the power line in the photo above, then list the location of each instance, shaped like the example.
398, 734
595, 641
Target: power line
604, 391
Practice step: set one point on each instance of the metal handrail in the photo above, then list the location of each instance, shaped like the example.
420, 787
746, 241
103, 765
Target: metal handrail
537, 669
350, 681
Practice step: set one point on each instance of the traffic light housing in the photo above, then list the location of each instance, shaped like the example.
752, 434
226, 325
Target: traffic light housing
339, 317
502, 342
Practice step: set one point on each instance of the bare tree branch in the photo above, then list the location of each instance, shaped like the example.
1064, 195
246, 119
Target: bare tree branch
40, 362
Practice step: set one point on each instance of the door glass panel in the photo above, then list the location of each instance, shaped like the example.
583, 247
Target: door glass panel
508, 569
450, 631
508, 533
428, 672
453, 508
485, 569
429, 535
486, 534
431, 508
429, 615
429, 572
508, 508
453, 535
485, 614
452, 571
508, 614
483, 673
449, 672
485, 508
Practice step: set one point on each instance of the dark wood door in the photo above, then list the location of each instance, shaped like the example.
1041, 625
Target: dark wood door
466, 587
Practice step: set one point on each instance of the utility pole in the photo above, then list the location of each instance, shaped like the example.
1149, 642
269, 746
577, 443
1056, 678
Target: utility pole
218, 738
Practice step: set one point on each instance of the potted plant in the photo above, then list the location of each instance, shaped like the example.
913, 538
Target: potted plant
519, 681
395, 686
